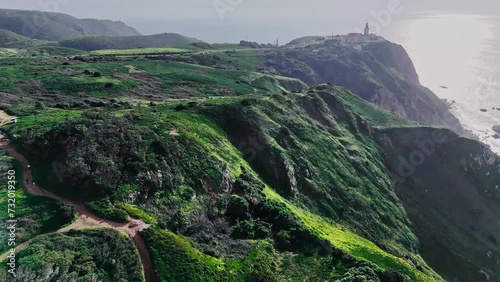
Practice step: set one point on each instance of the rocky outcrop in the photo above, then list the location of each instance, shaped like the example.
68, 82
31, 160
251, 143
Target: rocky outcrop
382, 74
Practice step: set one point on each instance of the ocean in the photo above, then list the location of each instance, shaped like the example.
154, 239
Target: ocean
457, 57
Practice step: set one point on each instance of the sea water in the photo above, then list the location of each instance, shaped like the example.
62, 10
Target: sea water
457, 56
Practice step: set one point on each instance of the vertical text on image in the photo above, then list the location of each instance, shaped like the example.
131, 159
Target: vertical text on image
11, 222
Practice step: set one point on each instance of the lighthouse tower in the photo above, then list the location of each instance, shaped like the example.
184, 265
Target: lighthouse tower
367, 29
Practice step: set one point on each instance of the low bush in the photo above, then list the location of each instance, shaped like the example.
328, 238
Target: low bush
105, 209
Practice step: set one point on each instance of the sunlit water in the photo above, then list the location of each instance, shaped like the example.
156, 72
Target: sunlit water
460, 52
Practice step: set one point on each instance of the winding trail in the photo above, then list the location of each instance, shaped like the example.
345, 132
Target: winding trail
86, 218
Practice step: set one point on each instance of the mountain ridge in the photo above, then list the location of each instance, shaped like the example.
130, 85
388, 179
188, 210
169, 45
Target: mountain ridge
52, 26
93, 43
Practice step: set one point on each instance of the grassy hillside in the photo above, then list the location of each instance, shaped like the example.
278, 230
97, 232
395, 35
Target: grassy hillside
136, 51
382, 73
92, 43
233, 207
247, 175
84, 83
9, 39
58, 26
107, 28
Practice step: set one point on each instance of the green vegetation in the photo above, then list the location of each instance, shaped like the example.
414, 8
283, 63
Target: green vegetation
58, 26
93, 43
243, 171
105, 209
86, 83
136, 212
80, 255
59, 51
182, 262
141, 51
475, 171
34, 215
356, 245
43, 120
383, 74
146, 146
9, 39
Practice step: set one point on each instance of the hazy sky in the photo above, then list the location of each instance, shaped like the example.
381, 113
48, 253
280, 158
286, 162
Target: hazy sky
256, 20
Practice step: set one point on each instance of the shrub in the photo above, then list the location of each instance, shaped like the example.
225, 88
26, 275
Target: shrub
105, 209
180, 108
283, 240
391, 276
238, 208
360, 274
68, 212
244, 230
262, 230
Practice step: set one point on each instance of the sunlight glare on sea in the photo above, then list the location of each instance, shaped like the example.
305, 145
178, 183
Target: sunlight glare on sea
457, 57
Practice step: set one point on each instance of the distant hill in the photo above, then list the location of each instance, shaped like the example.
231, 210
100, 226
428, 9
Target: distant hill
9, 39
92, 43
57, 26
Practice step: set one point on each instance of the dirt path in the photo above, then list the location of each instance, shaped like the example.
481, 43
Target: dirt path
86, 218
18, 248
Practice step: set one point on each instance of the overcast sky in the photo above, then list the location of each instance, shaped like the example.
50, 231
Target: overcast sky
256, 20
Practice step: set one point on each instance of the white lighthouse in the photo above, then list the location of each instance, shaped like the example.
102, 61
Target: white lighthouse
367, 29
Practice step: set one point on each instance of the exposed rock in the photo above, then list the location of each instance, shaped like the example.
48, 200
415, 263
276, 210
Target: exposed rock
384, 74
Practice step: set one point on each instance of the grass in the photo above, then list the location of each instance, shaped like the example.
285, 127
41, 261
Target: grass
44, 120
182, 262
66, 84
136, 212
227, 46
169, 50
105, 209
378, 117
205, 124
197, 127
68, 80
190, 80
352, 243
247, 59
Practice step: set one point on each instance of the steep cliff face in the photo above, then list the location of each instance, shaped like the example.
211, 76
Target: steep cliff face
382, 74
449, 186
394, 56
